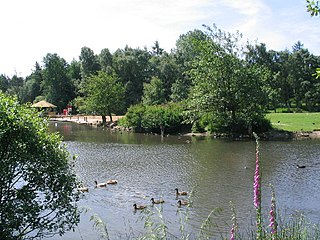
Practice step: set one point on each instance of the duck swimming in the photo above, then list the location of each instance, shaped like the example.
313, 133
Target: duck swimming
182, 203
112, 181
157, 201
100, 185
138, 207
181, 193
83, 189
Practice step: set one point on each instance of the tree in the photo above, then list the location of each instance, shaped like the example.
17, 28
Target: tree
185, 52
297, 47
33, 85
156, 49
276, 84
37, 197
165, 68
74, 75
74, 70
225, 87
153, 92
133, 117
57, 85
317, 74
179, 90
104, 94
162, 117
4, 83
16, 86
302, 66
132, 66
168, 73
280, 68
313, 7
105, 59
89, 62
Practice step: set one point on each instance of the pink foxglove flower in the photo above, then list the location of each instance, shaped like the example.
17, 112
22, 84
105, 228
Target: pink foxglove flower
232, 232
257, 191
273, 223
256, 183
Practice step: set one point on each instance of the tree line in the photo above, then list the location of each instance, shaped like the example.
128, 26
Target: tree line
221, 82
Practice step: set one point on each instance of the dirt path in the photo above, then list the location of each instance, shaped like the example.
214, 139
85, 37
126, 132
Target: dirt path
83, 119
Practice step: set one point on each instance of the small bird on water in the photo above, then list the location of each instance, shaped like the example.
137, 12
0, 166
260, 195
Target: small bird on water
157, 201
180, 193
138, 207
301, 166
182, 203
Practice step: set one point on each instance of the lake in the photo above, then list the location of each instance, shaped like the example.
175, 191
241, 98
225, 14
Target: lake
215, 171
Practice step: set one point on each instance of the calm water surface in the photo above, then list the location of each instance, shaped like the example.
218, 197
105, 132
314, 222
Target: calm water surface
215, 171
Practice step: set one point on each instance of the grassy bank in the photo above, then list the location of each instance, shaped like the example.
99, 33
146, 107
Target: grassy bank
295, 121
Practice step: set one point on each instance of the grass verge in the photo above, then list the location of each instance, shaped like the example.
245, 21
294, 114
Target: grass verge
295, 121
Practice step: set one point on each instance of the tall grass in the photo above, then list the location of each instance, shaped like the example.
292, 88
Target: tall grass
155, 225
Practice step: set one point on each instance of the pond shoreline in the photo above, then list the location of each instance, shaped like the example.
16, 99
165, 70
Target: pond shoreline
269, 136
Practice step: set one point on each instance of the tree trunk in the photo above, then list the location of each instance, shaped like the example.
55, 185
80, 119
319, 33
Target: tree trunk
162, 130
104, 120
110, 115
250, 129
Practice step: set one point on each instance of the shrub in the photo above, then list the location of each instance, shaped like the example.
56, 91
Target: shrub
156, 118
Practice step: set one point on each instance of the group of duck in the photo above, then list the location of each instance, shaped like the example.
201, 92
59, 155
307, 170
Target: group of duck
135, 206
160, 201
98, 185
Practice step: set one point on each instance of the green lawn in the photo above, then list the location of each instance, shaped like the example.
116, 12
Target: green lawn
295, 121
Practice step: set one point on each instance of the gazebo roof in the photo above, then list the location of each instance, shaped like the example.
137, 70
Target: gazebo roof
43, 104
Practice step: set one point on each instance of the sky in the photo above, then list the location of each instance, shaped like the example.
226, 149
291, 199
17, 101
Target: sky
30, 29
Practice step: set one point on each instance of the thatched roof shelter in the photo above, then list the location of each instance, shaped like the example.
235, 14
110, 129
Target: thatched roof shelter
43, 104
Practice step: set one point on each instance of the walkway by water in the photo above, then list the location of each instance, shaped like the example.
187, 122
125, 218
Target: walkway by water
82, 119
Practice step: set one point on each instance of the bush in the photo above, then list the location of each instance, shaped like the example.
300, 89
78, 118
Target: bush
261, 125
133, 117
205, 123
156, 118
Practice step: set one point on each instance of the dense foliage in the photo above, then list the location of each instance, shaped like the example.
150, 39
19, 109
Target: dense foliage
313, 7
57, 86
37, 197
155, 118
226, 85
103, 94
226, 89
153, 92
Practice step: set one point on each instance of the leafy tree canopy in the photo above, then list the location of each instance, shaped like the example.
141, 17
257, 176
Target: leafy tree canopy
225, 86
57, 85
313, 7
153, 92
104, 94
4, 83
132, 66
37, 197
89, 62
